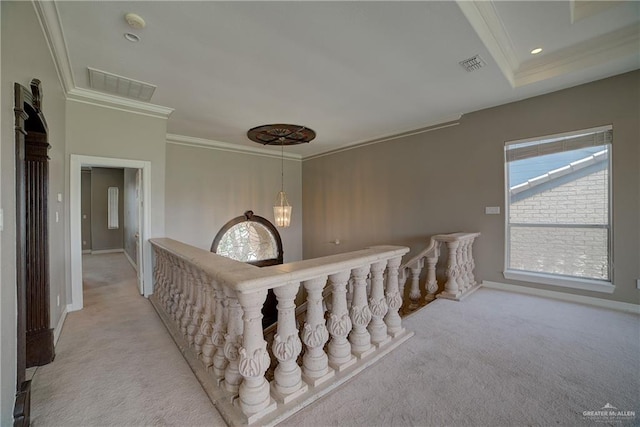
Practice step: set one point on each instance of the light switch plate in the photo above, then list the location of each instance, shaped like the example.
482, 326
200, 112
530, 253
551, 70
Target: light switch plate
59, 197
1, 220
492, 210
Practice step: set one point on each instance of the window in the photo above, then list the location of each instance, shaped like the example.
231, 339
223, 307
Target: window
558, 219
112, 208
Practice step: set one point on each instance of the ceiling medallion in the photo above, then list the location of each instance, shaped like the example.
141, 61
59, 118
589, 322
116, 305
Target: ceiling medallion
281, 134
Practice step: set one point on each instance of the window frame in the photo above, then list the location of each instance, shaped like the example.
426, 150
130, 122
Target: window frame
574, 282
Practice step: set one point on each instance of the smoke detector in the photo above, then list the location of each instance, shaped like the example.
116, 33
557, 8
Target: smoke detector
472, 64
135, 21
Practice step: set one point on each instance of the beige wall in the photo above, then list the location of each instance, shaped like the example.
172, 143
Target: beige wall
208, 187
404, 190
25, 56
105, 132
103, 238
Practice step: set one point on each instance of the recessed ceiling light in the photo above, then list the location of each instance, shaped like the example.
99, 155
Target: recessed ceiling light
536, 51
131, 37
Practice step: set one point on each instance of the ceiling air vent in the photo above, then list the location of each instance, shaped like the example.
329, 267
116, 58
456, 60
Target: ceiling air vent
472, 64
121, 86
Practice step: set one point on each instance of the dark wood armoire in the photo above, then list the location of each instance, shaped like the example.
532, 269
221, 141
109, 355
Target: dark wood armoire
35, 335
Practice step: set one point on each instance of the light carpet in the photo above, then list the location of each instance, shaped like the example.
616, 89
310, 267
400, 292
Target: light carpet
494, 359
116, 365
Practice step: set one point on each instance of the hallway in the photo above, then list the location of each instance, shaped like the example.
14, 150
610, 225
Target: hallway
115, 363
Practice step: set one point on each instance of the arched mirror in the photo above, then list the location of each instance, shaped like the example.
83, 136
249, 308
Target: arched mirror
252, 239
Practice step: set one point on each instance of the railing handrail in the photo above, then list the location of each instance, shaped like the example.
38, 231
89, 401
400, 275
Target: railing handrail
431, 250
244, 278
428, 251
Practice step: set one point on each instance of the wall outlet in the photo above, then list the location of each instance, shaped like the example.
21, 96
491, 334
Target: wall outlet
492, 210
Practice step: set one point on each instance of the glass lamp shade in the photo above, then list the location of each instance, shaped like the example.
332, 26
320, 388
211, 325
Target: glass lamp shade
282, 210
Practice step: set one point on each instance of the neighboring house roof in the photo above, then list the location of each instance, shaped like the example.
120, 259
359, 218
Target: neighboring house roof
567, 173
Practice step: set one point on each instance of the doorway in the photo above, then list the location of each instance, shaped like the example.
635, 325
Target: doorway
143, 179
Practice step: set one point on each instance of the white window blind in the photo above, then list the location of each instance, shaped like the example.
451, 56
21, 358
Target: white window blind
112, 208
567, 142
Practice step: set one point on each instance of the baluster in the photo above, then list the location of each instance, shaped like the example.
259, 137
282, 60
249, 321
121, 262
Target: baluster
168, 271
157, 281
232, 342
168, 276
472, 263
360, 315
220, 317
414, 293
179, 297
203, 338
177, 291
378, 306
432, 283
287, 383
339, 323
163, 277
451, 286
198, 305
349, 292
203, 334
315, 366
187, 315
394, 299
254, 391
462, 266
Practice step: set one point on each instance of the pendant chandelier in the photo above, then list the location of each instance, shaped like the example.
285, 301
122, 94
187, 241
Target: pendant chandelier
281, 134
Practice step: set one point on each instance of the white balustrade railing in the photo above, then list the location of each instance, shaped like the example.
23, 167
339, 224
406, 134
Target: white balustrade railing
460, 280
212, 306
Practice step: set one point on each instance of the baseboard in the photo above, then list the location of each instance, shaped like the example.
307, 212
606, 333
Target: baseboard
581, 299
106, 251
133, 264
58, 329
86, 251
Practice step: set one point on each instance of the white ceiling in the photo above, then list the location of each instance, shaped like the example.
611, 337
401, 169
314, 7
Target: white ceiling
352, 71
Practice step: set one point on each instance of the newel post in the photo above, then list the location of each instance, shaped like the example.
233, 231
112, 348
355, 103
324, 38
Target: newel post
255, 396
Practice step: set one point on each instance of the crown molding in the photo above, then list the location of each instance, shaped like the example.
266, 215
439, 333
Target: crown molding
449, 122
598, 50
49, 20
484, 19
226, 146
92, 97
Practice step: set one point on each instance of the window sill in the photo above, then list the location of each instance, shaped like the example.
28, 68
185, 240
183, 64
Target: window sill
567, 282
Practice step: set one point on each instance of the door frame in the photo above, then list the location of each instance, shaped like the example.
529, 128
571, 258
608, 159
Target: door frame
140, 224
75, 222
